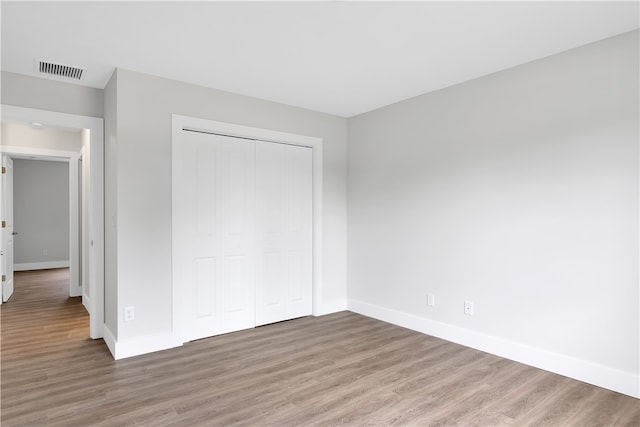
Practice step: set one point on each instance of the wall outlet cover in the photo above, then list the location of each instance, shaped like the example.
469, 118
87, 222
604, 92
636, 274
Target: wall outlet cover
468, 308
431, 300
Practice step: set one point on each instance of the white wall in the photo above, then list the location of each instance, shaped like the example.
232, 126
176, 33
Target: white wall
41, 213
143, 189
20, 135
517, 191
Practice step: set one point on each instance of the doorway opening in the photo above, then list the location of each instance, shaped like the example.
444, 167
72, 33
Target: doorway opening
43, 198
86, 211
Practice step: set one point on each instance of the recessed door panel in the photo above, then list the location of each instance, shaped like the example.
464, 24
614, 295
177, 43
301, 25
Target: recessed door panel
214, 192
284, 232
205, 181
235, 283
295, 264
205, 284
235, 193
273, 276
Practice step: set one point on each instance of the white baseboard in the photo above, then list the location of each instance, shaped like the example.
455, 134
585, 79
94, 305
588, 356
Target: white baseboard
86, 302
579, 369
121, 349
109, 340
331, 307
40, 265
124, 348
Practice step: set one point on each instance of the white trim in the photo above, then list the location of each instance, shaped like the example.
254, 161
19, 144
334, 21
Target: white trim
96, 128
331, 307
26, 266
40, 153
141, 345
86, 302
579, 369
230, 129
75, 289
178, 123
109, 340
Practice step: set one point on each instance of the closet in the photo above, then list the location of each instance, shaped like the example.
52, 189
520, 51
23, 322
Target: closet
242, 233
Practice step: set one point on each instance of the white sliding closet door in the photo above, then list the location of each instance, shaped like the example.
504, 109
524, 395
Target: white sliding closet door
213, 247
284, 232
242, 233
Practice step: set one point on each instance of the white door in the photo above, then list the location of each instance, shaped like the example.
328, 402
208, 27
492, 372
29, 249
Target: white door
7, 228
213, 232
284, 232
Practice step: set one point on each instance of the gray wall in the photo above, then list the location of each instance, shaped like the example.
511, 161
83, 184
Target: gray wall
518, 191
110, 205
43, 94
41, 211
141, 166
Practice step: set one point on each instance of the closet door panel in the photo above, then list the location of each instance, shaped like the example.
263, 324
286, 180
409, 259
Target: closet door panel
283, 232
213, 248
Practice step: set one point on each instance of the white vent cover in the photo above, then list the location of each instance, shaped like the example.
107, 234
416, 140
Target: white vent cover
59, 70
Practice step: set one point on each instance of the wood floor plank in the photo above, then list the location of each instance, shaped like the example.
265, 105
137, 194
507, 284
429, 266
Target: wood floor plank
341, 369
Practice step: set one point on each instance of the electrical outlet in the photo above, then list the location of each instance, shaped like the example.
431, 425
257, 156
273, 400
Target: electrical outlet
431, 300
45, 252
129, 314
468, 308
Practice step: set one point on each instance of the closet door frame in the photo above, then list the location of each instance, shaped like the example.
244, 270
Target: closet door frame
181, 123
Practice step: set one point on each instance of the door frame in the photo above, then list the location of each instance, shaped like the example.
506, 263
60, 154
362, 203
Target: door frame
9, 231
180, 123
71, 158
10, 113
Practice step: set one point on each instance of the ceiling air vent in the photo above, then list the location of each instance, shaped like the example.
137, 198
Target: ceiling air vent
60, 70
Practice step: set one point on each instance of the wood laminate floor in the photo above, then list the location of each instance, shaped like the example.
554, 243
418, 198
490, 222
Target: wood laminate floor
340, 369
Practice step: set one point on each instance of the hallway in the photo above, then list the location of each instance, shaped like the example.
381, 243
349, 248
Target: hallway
42, 314
45, 342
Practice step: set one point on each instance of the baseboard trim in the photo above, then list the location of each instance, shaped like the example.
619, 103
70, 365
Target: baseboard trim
145, 344
86, 302
109, 340
40, 265
579, 369
331, 307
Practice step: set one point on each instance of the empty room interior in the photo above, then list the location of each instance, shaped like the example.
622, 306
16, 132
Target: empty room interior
320, 213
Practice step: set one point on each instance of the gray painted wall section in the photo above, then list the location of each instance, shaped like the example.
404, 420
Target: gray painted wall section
518, 191
41, 211
110, 205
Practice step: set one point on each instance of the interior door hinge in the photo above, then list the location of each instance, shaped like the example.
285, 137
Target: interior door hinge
4, 224
4, 170
4, 278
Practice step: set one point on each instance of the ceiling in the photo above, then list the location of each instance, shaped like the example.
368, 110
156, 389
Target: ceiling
342, 58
